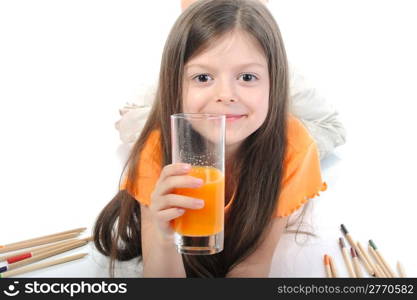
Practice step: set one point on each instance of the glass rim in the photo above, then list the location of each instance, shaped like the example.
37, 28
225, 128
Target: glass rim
205, 116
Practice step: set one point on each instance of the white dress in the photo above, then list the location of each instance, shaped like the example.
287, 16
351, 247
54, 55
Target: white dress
318, 116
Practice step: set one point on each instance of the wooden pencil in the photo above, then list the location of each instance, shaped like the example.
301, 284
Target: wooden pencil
39, 242
30, 251
45, 254
356, 264
378, 261
27, 255
46, 264
384, 262
357, 250
400, 269
333, 268
365, 262
46, 236
362, 253
348, 261
327, 266
379, 272
70, 244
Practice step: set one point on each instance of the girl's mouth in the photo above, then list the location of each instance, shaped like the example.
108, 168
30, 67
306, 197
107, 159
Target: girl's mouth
232, 118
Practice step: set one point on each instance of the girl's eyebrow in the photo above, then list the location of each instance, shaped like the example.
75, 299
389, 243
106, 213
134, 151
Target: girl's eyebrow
242, 66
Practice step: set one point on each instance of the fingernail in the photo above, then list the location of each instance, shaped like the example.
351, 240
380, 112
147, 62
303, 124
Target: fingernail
181, 211
199, 203
186, 167
198, 182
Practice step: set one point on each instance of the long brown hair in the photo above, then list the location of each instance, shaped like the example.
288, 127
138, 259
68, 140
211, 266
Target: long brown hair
259, 167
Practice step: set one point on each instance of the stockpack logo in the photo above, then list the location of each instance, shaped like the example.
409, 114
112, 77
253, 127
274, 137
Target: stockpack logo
12, 290
67, 288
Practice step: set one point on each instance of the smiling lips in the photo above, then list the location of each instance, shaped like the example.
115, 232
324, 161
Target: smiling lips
231, 118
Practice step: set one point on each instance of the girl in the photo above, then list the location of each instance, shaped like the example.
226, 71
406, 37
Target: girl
318, 116
221, 56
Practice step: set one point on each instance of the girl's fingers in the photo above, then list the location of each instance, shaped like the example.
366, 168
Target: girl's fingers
169, 214
165, 206
174, 169
178, 201
173, 182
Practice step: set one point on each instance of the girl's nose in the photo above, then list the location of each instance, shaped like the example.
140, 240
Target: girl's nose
225, 92
229, 100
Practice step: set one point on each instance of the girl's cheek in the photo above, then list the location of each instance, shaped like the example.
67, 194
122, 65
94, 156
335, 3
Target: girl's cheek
195, 100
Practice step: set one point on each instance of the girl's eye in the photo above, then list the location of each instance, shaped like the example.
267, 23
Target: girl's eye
248, 77
202, 78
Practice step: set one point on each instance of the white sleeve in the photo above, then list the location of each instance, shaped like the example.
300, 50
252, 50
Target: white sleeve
318, 116
133, 116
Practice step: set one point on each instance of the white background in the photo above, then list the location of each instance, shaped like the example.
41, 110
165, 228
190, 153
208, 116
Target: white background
66, 67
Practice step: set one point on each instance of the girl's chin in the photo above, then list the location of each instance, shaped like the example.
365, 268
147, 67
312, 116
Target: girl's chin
233, 142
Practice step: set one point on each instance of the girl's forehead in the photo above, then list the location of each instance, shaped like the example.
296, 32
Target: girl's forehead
234, 45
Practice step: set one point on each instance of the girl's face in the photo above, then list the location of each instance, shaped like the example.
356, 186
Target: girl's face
231, 78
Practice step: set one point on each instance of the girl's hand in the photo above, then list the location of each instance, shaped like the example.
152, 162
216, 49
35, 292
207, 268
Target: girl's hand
165, 206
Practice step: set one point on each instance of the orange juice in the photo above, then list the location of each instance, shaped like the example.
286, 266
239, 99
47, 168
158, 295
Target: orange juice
209, 219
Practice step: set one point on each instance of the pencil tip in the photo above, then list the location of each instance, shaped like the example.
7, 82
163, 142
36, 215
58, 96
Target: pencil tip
372, 244
343, 228
353, 252
326, 259
341, 243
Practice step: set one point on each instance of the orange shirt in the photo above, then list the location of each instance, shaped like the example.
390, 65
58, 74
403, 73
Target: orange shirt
301, 181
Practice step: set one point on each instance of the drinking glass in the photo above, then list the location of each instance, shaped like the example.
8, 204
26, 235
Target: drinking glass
199, 140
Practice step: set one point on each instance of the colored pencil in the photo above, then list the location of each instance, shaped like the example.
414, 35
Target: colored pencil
38, 242
333, 268
356, 265
354, 246
46, 236
384, 262
45, 254
379, 272
364, 255
378, 261
400, 269
30, 252
346, 258
327, 266
46, 264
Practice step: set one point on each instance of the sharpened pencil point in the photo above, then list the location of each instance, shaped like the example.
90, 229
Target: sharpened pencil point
353, 252
372, 244
326, 259
341, 243
344, 230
